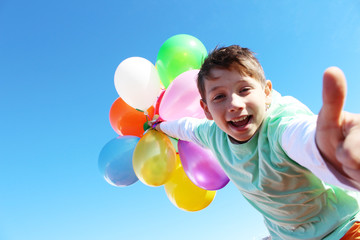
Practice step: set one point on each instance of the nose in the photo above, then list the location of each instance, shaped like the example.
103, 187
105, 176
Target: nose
236, 103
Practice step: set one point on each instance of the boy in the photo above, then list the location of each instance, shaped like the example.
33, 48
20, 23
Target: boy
291, 165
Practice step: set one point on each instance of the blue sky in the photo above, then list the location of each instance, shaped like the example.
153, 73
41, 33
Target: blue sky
57, 63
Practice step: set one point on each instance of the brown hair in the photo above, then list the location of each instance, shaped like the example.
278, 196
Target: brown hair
231, 57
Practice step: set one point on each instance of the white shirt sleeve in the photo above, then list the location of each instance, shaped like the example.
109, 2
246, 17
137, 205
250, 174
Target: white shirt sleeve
298, 141
183, 129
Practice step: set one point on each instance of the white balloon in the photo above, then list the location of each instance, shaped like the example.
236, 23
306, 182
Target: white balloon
137, 82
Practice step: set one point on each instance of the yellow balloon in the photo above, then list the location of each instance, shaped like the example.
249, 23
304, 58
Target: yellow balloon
154, 158
186, 195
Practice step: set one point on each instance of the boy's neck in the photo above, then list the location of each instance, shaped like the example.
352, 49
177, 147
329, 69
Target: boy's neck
234, 141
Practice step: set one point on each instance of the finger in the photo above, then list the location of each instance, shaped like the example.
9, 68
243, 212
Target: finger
334, 92
353, 173
348, 151
347, 157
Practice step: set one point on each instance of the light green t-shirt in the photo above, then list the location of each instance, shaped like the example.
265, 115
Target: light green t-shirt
294, 202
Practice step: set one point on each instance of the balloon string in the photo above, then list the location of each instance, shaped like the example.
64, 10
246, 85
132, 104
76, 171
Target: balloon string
147, 116
145, 113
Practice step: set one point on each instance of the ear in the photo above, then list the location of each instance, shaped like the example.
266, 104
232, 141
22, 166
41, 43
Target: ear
268, 92
206, 109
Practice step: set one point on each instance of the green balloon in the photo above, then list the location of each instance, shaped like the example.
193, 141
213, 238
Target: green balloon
179, 54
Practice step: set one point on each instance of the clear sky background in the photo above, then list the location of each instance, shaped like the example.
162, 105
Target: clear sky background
57, 63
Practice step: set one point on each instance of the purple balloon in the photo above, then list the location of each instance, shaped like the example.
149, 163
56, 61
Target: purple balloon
201, 166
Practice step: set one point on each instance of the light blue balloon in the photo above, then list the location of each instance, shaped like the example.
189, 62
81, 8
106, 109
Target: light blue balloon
115, 161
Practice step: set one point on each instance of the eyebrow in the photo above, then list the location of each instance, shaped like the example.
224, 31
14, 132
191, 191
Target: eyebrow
217, 87
214, 89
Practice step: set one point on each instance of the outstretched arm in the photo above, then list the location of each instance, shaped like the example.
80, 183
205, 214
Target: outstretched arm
183, 129
338, 132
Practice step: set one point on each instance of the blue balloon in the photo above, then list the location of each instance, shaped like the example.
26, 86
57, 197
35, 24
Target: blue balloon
115, 161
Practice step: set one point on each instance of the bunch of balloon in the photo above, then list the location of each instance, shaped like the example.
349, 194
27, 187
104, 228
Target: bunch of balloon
167, 92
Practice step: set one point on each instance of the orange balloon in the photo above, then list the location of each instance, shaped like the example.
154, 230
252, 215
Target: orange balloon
126, 120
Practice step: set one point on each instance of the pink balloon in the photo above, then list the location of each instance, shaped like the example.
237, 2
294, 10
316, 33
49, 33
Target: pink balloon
182, 98
201, 166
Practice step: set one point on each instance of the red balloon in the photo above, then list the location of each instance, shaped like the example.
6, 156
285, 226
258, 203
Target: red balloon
158, 102
126, 120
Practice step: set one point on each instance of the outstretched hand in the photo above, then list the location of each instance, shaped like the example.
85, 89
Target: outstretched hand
338, 132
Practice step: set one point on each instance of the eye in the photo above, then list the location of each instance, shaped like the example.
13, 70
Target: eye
218, 97
245, 90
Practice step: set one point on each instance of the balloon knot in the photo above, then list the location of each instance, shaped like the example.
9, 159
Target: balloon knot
155, 121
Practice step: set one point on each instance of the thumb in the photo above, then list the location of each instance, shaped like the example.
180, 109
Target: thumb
334, 92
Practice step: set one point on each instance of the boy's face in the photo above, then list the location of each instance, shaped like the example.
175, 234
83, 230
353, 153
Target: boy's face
236, 103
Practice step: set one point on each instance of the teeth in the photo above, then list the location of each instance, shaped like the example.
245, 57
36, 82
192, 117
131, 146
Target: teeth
240, 119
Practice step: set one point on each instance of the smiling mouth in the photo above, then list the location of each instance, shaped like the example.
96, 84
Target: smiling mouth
241, 122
